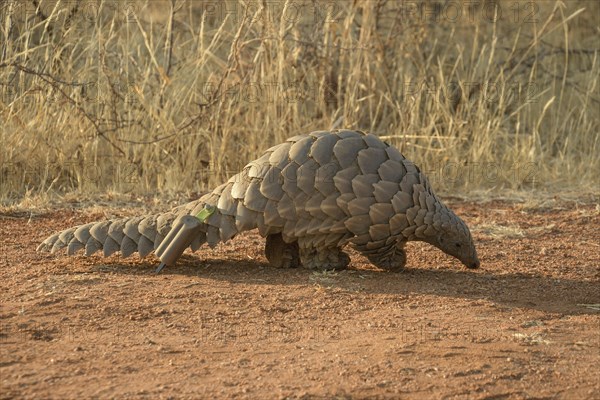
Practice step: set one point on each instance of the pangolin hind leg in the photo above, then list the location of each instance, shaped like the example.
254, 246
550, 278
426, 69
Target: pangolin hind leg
281, 254
322, 258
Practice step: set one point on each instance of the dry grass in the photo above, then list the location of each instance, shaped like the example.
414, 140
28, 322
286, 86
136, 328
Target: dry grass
164, 97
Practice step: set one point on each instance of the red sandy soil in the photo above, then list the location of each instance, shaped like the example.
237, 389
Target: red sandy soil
223, 323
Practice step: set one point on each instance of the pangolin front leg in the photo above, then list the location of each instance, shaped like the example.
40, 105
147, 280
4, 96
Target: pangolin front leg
390, 259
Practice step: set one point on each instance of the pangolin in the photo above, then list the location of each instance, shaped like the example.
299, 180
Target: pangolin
309, 196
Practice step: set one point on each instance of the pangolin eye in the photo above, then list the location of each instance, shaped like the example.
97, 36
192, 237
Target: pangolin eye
457, 245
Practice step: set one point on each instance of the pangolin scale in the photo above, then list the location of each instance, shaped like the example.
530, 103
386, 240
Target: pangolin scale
309, 196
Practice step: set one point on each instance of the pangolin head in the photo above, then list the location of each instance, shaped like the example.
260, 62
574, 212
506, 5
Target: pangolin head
454, 238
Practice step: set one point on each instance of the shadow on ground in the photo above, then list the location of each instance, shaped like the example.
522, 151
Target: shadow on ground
531, 291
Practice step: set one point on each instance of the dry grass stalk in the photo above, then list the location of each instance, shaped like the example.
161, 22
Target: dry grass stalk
176, 96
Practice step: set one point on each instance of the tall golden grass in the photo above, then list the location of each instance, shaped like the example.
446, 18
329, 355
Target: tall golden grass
165, 97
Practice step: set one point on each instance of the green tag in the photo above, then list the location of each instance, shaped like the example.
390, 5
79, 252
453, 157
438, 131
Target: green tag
206, 212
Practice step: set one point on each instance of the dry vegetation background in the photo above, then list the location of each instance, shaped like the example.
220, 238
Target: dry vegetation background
150, 97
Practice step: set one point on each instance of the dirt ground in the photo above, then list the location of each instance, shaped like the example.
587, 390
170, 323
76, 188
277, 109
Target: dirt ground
225, 324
